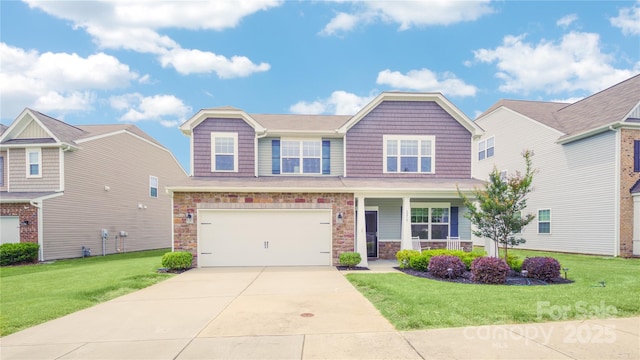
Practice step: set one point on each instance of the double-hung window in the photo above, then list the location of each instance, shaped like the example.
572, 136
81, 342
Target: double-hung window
486, 148
34, 162
430, 221
153, 186
544, 221
224, 152
301, 156
412, 154
1, 170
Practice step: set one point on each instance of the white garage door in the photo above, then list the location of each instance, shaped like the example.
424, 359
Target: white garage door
9, 229
264, 237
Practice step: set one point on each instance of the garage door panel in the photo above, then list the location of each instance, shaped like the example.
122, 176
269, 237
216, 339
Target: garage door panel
264, 237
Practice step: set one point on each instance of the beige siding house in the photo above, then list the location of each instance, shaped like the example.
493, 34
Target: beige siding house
586, 195
63, 185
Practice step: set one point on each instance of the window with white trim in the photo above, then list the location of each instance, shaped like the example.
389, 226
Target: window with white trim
1, 170
412, 154
301, 156
224, 152
153, 186
504, 176
544, 221
34, 162
430, 221
486, 148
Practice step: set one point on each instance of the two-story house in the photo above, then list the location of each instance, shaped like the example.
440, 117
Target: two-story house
77, 190
586, 193
301, 189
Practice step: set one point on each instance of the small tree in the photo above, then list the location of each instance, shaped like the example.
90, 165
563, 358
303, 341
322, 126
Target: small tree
498, 214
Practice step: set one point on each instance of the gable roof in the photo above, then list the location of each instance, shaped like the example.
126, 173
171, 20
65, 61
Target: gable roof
589, 116
436, 97
62, 133
327, 124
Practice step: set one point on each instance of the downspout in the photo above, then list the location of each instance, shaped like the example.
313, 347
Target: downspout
38, 205
617, 175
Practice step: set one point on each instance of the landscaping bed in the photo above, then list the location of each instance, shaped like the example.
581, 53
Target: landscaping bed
513, 278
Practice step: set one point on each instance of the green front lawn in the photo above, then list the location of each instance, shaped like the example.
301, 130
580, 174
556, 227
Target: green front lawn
417, 303
33, 294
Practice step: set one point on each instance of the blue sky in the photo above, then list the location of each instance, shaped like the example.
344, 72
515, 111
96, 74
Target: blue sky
156, 63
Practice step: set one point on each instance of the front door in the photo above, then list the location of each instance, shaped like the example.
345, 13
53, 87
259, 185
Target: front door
371, 224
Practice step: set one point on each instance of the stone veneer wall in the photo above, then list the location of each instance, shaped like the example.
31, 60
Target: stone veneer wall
186, 235
26, 213
628, 178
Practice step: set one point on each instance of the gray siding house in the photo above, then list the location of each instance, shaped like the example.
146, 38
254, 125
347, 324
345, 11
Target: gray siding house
272, 189
63, 184
586, 194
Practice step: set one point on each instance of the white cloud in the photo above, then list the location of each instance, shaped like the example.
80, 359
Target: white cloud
408, 14
339, 103
57, 82
628, 20
572, 63
342, 22
168, 110
567, 20
196, 61
136, 25
426, 80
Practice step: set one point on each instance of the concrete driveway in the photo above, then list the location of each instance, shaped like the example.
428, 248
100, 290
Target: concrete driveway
287, 313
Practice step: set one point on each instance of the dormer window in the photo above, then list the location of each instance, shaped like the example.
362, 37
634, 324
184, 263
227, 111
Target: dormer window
224, 152
409, 154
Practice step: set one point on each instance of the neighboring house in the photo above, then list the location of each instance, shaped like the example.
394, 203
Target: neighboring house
61, 185
586, 193
301, 189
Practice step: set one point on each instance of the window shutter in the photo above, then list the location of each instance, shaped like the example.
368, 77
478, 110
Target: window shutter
326, 157
275, 156
636, 155
454, 221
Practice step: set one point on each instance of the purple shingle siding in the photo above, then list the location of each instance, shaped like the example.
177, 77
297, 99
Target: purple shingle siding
202, 147
365, 148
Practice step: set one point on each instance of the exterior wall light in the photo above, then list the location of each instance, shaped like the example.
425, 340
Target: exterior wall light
339, 218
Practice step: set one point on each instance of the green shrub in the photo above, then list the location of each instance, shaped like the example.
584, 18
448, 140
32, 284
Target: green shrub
468, 257
350, 259
404, 256
11, 254
514, 262
420, 262
178, 260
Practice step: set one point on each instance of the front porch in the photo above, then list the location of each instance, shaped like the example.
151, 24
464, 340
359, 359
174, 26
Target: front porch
386, 225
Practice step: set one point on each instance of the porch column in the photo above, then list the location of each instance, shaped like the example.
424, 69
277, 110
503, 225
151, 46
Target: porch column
405, 243
361, 233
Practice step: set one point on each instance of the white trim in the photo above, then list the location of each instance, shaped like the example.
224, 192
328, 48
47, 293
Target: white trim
439, 205
419, 139
188, 126
344, 157
13, 131
538, 221
617, 174
232, 135
173, 227
27, 151
486, 148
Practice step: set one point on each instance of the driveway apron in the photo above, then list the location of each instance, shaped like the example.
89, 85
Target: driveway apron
273, 312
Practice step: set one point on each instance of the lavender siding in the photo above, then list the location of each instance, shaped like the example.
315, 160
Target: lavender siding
202, 146
365, 147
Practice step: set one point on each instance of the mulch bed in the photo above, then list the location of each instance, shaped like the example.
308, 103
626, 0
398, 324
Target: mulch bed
172, 271
513, 278
340, 267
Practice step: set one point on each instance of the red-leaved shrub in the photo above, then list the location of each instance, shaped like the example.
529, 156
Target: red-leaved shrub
542, 268
489, 270
446, 266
